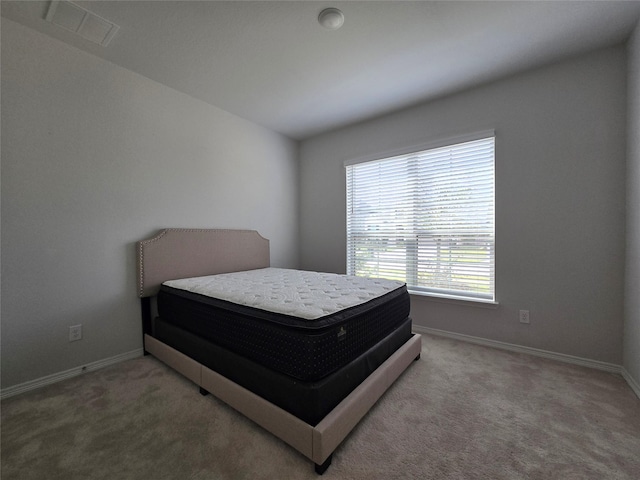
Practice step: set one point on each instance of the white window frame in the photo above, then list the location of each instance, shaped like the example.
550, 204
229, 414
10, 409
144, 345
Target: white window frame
404, 263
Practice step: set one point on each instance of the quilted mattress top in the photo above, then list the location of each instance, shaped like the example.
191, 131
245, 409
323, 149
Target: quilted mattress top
304, 294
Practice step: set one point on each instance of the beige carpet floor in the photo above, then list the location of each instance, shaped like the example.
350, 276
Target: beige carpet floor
462, 411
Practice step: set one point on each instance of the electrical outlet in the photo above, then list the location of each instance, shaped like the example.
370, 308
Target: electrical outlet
524, 316
75, 333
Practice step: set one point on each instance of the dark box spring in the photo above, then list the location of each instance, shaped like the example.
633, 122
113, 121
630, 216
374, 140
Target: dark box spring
309, 401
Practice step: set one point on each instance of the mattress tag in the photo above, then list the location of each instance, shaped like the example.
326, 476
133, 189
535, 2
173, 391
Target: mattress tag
342, 333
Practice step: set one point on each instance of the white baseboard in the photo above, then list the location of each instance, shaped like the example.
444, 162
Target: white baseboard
73, 372
632, 383
585, 362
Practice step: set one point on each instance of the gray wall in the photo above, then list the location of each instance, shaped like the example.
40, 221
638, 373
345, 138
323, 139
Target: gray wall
560, 183
632, 290
94, 158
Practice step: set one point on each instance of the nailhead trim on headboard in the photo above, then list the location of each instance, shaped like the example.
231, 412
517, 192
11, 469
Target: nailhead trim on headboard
218, 251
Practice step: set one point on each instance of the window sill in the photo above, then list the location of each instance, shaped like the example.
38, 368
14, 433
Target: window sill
464, 301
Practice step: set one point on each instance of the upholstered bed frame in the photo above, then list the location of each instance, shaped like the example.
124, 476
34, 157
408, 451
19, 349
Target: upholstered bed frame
181, 253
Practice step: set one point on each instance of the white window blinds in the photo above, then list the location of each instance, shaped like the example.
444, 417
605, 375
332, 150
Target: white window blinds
426, 218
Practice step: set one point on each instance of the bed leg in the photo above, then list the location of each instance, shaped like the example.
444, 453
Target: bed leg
417, 358
320, 469
203, 392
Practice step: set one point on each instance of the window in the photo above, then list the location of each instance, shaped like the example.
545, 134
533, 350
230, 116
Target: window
426, 218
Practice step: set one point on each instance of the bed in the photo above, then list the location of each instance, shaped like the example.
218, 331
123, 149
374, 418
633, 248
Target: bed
305, 355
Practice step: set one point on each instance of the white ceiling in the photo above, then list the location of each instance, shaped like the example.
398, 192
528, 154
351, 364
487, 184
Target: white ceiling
272, 63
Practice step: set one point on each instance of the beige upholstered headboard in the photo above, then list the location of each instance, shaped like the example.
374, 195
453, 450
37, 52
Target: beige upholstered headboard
181, 253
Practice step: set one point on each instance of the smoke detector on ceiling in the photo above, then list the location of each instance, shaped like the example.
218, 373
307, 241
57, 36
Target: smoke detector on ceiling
331, 18
78, 20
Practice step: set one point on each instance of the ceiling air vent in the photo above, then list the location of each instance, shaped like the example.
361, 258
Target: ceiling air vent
83, 22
